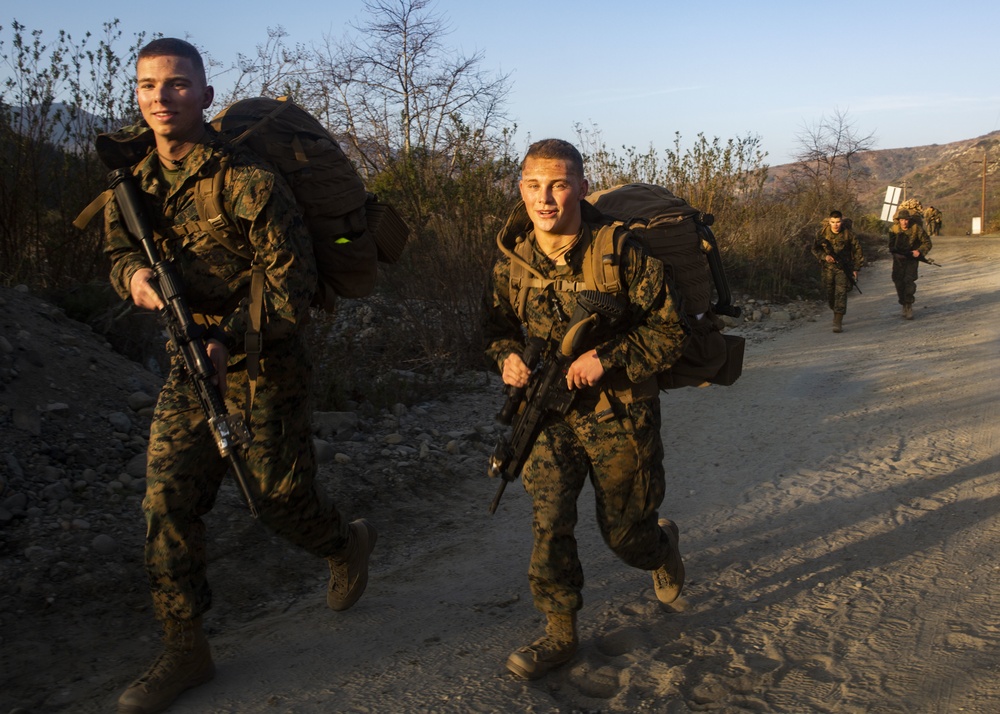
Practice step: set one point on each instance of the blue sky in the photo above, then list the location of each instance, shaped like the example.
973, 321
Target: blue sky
911, 73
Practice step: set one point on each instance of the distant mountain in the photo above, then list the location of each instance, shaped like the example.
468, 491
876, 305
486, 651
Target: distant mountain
946, 176
60, 130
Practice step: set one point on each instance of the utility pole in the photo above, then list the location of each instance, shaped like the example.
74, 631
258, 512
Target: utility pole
982, 206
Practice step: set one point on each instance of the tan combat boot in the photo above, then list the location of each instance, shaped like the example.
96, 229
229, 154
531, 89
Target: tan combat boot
186, 662
838, 322
349, 572
556, 647
908, 311
668, 579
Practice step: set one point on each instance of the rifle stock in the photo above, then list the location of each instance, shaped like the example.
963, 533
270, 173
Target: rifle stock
546, 391
231, 434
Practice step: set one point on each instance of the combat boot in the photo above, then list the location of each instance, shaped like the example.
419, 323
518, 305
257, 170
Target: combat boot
668, 579
186, 662
908, 311
556, 647
838, 322
349, 572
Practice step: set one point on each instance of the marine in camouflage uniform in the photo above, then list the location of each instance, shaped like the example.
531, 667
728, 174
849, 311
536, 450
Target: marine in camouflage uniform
184, 468
932, 218
837, 248
907, 237
621, 454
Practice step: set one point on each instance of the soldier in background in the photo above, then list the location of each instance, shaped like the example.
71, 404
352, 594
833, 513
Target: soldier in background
840, 256
908, 241
933, 218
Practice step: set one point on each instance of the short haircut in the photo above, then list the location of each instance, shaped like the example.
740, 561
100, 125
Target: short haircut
555, 149
836, 214
172, 47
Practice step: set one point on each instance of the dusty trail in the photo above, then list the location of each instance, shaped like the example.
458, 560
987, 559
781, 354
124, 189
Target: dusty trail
840, 514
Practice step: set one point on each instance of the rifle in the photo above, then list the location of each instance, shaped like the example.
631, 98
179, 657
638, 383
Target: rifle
230, 432
922, 258
844, 264
546, 391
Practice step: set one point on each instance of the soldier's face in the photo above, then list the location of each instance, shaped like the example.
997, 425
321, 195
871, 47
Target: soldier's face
172, 95
835, 224
904, 223
552, 192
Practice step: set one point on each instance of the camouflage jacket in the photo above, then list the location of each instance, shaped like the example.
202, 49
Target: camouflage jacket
844, 244
215, 280
913, 238
650, 340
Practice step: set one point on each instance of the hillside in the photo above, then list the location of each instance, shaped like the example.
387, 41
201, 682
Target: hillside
947, 176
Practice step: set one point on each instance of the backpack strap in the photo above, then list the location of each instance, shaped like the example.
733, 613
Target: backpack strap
283, 104
92, 209
520, 270
602, 268
213, 220
212, 216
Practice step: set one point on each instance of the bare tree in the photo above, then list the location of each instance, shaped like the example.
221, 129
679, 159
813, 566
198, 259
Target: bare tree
827, 174
55, 95
395, 90
275, 70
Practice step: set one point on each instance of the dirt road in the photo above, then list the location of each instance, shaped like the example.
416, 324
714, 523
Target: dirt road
839, 513
840, 516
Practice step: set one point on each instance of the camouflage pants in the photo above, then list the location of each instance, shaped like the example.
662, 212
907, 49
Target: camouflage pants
184, 472
904, 277
624, 460
835, 288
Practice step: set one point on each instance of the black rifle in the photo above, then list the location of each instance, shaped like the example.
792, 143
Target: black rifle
922, 258
844, 264
231, 434
546, 391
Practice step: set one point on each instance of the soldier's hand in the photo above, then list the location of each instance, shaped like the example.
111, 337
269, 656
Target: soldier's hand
916, 254
144, 295
829, 258
585, 371
515, 372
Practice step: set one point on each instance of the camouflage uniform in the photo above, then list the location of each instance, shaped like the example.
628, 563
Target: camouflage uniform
184, 469
932, 218
904, 267
624, 455
843, 245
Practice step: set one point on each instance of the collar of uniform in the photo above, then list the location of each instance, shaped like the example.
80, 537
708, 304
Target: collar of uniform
574, 256
200, 154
